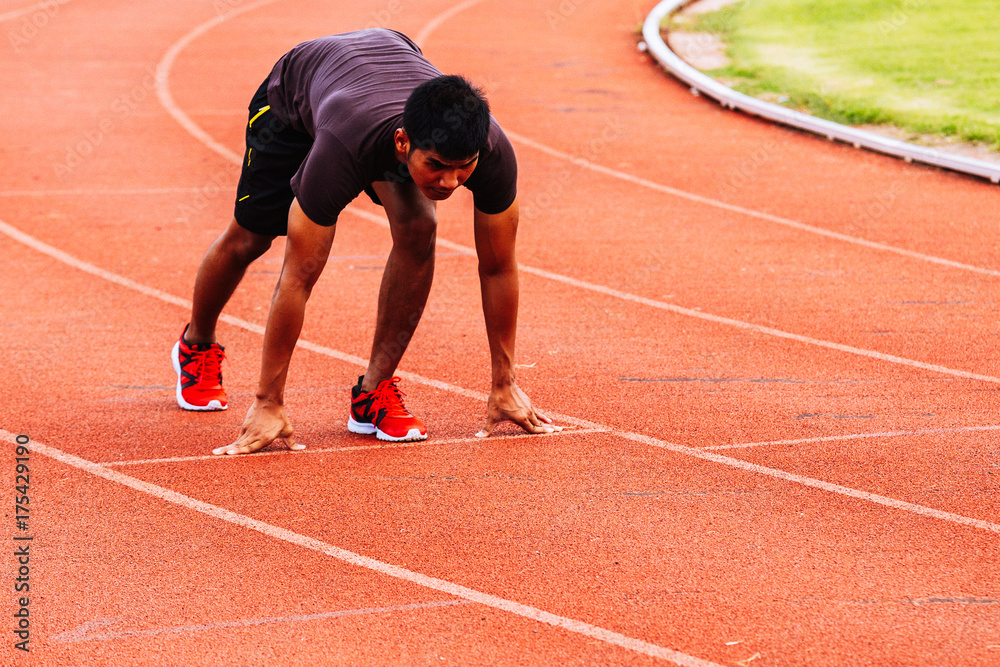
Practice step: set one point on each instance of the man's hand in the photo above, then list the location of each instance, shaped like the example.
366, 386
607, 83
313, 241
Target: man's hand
509, 403
265, 423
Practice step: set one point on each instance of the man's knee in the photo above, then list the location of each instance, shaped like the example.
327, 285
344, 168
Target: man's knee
245, 246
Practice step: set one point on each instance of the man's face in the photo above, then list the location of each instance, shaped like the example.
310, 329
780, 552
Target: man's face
437, 177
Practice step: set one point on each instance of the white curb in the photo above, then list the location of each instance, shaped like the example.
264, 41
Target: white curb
729, 98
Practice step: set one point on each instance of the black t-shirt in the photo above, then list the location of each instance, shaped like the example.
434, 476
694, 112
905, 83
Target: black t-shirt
348, 92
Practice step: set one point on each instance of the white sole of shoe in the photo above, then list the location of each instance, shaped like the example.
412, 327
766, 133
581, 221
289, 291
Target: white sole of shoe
413, 435
359, 427
213, 405
367, 429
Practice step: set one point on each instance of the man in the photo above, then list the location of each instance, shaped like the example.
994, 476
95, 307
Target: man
341, 115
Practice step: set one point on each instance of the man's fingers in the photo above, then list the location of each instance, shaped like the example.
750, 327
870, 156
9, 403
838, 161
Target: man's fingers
228, 449
253, 446
531, 421
243, 445
548, 421
545, 428
245, 448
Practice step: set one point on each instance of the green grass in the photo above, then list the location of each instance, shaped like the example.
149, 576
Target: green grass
927, 66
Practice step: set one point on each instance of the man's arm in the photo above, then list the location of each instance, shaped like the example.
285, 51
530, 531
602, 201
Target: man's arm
306, 252
495, 241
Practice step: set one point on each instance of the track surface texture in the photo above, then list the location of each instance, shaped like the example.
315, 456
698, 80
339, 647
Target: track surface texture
779, 354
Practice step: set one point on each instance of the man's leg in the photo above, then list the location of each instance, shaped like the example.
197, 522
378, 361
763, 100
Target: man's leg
196, 357
406, 281
220, 272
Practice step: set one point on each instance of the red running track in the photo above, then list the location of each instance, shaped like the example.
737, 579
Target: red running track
780, 355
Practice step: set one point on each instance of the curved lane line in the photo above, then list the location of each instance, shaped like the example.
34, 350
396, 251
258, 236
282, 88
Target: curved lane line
435, 22
285, 535
163, 80
103, 192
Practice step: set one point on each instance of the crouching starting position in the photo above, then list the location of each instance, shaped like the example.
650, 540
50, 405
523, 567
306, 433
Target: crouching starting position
338, 116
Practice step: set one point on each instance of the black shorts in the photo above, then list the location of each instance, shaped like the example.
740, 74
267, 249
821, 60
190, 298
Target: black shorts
274, 153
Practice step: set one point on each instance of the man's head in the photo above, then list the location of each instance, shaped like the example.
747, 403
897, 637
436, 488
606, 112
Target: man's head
446, 122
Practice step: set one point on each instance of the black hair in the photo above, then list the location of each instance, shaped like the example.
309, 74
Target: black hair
447, 115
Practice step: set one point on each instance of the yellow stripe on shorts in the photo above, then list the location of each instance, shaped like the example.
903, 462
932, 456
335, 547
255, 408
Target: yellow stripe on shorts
258, 115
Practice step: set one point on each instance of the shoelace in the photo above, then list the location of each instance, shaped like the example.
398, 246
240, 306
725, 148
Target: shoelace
209, 365
387, 395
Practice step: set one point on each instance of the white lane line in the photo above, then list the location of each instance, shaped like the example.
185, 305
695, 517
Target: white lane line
708, 201
886, 501
357, 448
83, 633
105, 192
278, 533
856, 436
66, 258
461, 391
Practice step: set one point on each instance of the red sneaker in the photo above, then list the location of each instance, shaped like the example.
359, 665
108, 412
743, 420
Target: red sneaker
382, 412
199, 375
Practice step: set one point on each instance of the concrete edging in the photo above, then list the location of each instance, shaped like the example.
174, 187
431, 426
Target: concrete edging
701, 84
